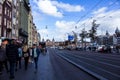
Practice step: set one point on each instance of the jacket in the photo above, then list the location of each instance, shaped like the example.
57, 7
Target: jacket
12, 52
37, 52
3, 56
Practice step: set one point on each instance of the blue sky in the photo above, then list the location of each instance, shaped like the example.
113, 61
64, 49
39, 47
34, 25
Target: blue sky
61, 16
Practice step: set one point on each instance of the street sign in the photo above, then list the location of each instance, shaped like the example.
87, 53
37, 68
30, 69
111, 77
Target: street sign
70, 37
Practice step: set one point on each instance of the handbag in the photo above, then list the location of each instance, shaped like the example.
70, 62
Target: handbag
25, 54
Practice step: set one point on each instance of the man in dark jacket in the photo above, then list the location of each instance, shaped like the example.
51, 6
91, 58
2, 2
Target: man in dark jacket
12, 55
35, 54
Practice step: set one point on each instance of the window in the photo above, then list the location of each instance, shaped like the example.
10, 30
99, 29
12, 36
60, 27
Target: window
0, 20
0, 9
4, 32
5, 10
14, 21
8, 24
15, 2
10, 14
5, 21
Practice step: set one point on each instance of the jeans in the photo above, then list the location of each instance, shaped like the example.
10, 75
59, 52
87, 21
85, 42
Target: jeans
26, 62
18, 63
36, 62
1, 66
12, 69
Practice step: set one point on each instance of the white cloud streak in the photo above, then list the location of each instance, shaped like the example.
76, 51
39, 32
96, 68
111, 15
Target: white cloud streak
55, 8
67, 7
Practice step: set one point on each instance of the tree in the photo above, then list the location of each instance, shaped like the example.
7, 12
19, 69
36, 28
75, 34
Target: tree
93, 31
83, 35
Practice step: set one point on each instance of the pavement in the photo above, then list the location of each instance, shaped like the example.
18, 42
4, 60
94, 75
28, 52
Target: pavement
45, 71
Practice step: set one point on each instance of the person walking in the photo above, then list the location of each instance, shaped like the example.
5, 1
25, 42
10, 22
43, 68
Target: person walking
35, 54
3, 57
26, 55
30, 52
20, 53
12, 55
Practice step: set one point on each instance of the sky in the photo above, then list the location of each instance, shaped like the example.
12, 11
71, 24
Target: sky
59, 18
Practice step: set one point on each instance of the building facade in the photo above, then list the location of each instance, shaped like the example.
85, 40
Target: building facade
15, 9
30, 25
16, 21
1, 14
34, 34
23, 22
6, 29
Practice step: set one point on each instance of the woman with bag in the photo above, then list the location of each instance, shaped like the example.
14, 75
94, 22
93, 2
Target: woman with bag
26, 55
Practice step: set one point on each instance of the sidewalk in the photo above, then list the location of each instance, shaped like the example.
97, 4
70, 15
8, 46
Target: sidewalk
44, 72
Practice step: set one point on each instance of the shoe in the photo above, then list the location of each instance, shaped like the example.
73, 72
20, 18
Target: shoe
0, 73
35, 71
12, 77
8, 71
15, 69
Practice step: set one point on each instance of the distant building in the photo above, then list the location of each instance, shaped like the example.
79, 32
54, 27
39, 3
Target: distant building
104, 40
116, 37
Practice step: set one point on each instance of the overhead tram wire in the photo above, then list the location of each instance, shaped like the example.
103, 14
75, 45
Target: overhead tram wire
100, 17
109, 7
89, 11
95, 7
98, 3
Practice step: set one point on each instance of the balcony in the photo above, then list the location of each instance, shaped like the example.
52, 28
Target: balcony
9, 29
23, 33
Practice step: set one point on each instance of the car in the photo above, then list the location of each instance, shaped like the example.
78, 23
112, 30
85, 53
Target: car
60, 48
100, 49
79, 48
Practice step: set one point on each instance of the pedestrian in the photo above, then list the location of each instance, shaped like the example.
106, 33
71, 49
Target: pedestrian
26, 55
20, 53
30, 52
35, 54
12, 55
3, 57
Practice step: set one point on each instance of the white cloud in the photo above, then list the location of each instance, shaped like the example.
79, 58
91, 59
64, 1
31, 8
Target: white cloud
55, 8
101, 10
108, 22
64, 24
47, 7
68, 7
43, 31
63, 28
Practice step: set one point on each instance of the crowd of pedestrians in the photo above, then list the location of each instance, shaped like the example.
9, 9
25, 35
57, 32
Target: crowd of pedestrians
13, 52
